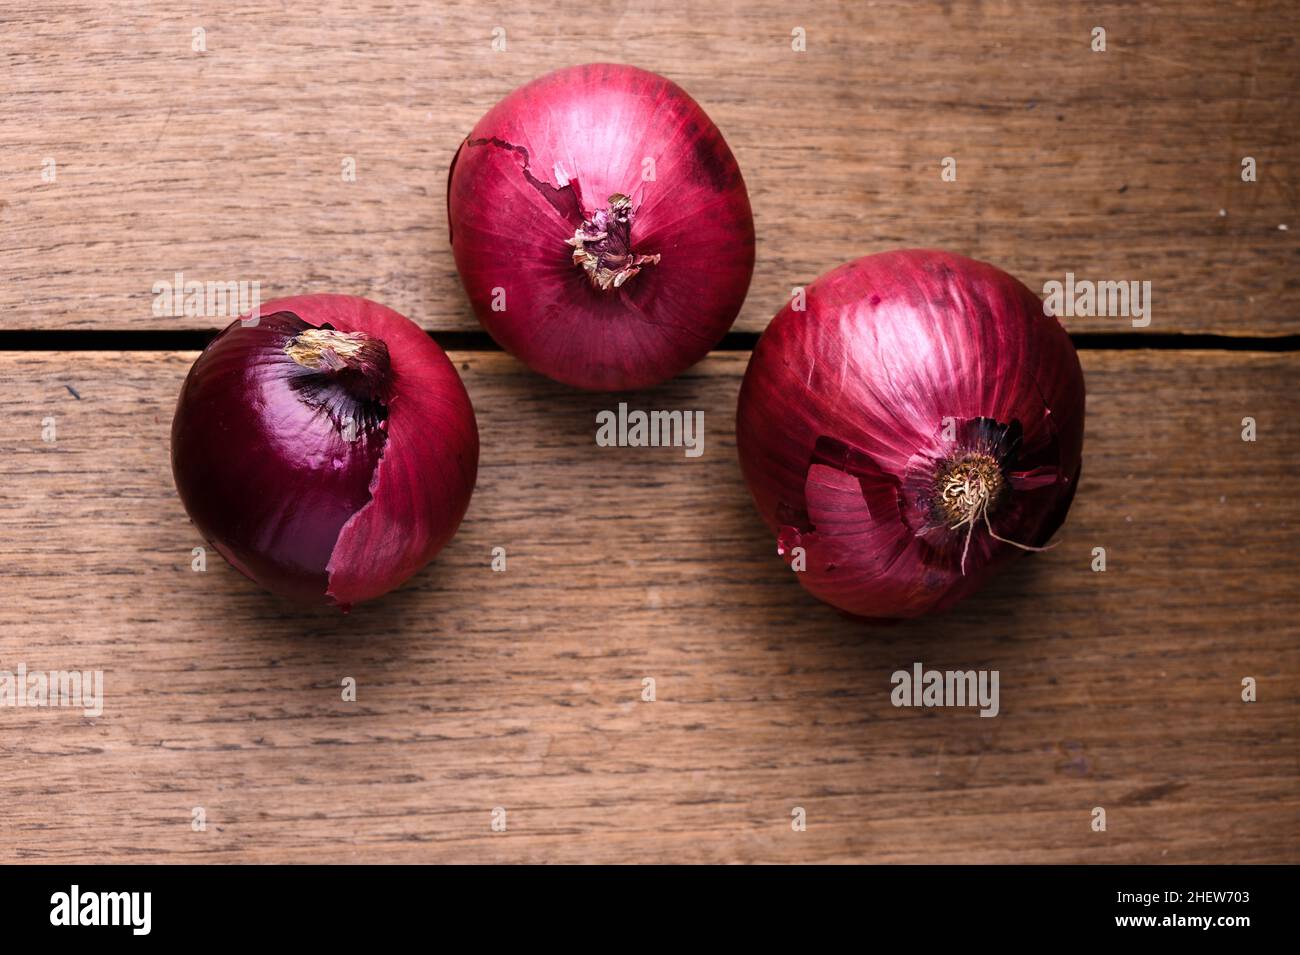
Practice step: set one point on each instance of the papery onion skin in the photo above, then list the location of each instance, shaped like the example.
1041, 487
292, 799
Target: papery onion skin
333, 481
562, 151
845, 418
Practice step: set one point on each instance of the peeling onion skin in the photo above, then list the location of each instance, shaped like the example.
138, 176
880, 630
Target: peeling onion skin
564, 151
842, 441
334, 481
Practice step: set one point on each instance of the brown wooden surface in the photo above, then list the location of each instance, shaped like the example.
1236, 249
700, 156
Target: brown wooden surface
522, 690
226, 165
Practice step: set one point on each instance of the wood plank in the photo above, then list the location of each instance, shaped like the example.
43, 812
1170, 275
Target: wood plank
522, 690
226, 165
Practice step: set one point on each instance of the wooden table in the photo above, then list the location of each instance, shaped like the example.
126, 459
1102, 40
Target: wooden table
523, 690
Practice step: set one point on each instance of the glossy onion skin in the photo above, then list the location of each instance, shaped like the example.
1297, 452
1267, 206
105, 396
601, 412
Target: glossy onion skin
270, 479
511, 215
840, 426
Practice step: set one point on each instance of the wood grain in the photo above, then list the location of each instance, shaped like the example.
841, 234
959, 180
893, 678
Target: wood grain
226, 165
522, 689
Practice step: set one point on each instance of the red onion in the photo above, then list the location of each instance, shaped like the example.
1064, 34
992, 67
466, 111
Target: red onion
601, 227
328, 451
918, 424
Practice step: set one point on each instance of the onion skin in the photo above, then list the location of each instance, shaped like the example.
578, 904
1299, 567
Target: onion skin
551, 157
842, 437
330, 484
